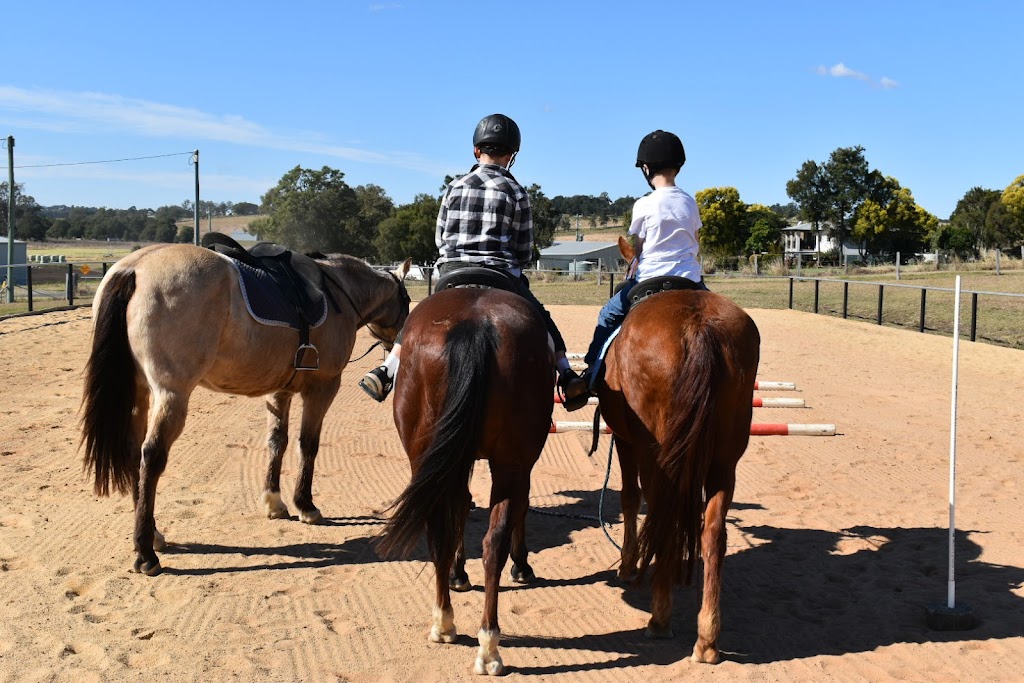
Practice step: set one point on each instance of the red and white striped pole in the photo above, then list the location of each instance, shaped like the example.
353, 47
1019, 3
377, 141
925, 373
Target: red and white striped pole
756, 429
758, 402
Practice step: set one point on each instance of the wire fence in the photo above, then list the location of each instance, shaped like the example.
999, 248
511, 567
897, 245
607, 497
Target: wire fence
994, 317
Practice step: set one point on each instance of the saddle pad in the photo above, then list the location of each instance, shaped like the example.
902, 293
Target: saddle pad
595, 371
266, 303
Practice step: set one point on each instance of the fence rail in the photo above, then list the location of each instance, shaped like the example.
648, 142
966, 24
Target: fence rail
995, 317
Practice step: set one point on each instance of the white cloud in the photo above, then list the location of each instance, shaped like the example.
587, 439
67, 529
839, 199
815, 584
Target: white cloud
840, 70
83, 112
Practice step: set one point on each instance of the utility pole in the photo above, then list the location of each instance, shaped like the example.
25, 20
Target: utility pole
10, 219
195, 208
579, 237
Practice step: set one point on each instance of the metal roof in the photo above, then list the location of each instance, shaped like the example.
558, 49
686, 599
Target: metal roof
575, 248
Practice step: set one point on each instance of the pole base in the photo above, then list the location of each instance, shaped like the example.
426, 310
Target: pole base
961, 617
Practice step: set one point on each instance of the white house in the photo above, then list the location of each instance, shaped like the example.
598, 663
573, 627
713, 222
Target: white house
804, 242
562, 256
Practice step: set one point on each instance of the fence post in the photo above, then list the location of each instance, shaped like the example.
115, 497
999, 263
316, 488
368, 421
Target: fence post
881, 289
28, 283
430, 280
104, 267
791, 292
816, 283
997, 262
757, 265
897, 265
70, 285
974, 316
924, 293
846, 297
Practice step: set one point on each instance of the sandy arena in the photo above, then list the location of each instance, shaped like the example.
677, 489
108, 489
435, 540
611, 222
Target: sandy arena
836, 544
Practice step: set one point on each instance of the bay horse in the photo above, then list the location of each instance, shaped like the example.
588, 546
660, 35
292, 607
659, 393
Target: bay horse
476, 382
677, 395
169, 318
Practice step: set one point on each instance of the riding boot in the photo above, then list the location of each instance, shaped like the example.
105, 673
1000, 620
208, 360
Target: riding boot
574, 390
377, 383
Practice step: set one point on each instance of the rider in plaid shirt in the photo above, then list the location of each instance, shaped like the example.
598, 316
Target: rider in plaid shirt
485, 221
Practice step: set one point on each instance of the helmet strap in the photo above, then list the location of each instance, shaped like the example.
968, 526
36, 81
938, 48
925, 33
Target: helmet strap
512, 160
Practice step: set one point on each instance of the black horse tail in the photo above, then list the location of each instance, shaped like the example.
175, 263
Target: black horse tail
109, 394
439, 492
672, 530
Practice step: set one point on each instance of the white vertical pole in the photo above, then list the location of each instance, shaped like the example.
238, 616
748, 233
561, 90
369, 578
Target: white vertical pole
951, 589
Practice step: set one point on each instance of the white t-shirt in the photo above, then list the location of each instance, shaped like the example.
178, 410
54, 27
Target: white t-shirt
668, 220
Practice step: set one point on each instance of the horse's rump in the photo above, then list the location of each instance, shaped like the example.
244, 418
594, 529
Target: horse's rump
685, 360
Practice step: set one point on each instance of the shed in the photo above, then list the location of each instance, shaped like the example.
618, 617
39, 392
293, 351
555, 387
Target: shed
18, 274
561, 255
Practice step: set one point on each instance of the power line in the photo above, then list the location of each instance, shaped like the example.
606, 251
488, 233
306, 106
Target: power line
108, 161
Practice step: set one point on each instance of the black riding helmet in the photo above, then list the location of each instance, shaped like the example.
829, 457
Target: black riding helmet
659, 150
497, 131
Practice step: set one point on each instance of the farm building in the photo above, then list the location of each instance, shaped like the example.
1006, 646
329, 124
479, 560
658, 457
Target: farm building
18, 275
562, 256
804, 242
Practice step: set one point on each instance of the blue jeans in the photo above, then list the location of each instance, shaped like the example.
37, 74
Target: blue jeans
611, 316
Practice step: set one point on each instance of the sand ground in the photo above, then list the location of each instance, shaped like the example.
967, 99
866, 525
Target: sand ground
836, 545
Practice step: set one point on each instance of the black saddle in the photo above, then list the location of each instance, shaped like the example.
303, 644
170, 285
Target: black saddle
298, 276
475, 276
656, 285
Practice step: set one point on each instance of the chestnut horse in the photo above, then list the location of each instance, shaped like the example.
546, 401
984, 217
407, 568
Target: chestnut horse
677, 395
475, 383
169, 318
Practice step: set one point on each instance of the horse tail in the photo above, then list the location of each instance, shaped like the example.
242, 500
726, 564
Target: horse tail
439, 493
672, 531
109, 395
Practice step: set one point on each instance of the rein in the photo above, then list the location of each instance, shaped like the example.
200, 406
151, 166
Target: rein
362, 319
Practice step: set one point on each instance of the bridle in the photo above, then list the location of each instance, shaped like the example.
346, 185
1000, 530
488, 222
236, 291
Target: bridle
403, 294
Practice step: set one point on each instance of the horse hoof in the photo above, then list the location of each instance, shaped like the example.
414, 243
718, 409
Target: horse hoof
275, 508
658, 632
148, 567
159, 542
523, 576
706, 655
310, 516
626, 578
460, 585
438, 636
494, 667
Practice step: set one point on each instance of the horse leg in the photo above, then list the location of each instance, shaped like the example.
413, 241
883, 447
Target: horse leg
458, 579
630, 509
278, 409
169, 413
314, 407
509, 501
140, 416
719, 490
665, 571
522, 572
442, 628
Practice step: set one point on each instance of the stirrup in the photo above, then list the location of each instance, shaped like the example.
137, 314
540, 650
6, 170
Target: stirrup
375, 386
300, 357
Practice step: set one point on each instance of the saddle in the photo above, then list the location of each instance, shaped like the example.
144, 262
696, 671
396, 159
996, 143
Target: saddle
478, 277
656, 285
297, 276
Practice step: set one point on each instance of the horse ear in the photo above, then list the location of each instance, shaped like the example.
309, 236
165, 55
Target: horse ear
626, 249
403, 269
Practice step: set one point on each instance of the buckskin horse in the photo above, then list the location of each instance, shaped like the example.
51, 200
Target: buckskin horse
475, 383
169, 318
677, 395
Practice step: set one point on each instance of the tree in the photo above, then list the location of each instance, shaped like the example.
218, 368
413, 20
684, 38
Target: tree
314, 210
30, 223
765, 230
245, 209
1013, 198
545, 219
972, 212
897, 226
831, 193
374, 207
726, 227
1002, 227
409, 232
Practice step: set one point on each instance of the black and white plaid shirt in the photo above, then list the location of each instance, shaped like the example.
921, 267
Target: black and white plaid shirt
485, 219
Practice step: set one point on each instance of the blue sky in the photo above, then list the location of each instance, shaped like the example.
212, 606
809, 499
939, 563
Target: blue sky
389, 93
